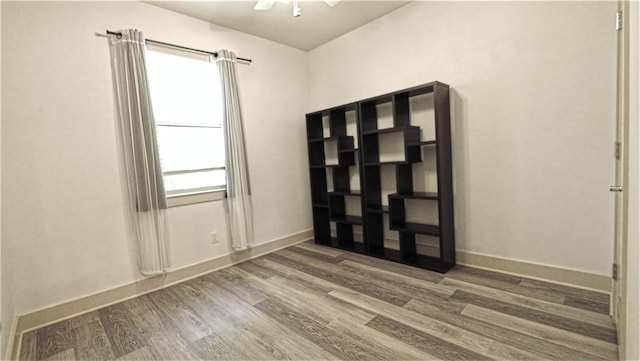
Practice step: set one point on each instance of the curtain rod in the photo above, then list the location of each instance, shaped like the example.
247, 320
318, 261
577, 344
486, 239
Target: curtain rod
119, 35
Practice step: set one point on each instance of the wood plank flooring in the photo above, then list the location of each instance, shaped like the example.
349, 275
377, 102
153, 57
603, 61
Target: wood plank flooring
309, 302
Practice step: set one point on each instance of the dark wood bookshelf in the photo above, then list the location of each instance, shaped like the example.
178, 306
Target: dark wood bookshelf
418, 228
345, 193
360, 152
332, 225
342, 244
415, 195
400, 129
378, 209
347, 219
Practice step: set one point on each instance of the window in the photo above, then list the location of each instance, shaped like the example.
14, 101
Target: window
187, 106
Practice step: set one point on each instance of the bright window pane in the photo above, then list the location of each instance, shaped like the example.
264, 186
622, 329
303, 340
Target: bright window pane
188, 148
187, 107
214, 179
184, 90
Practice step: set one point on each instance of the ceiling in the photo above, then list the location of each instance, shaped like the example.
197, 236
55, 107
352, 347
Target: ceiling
318, 24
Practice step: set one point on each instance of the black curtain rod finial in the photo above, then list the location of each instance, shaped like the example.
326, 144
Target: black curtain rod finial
117, 34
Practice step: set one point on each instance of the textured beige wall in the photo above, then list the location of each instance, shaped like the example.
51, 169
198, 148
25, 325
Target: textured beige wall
633, 267
533, 116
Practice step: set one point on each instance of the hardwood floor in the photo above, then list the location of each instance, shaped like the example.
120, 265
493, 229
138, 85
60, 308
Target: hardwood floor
310, 302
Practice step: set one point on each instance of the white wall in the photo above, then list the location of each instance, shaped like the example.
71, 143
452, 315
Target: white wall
7, 311
6, 306
633, 260
2, 333
533, 112
65, 235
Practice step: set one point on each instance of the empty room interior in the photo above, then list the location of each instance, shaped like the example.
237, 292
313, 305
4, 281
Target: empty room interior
315, 180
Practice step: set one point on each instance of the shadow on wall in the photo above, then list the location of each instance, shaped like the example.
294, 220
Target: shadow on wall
459, 145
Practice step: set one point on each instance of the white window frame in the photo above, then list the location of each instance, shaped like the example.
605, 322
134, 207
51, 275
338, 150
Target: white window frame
178, 198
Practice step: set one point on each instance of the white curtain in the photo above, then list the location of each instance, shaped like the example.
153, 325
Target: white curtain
239, 208
139, 150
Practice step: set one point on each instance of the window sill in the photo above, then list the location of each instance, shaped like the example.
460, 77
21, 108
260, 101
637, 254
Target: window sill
196, 197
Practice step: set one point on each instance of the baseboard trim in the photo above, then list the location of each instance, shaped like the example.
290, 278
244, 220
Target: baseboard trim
559, 275
98, 300
11, 341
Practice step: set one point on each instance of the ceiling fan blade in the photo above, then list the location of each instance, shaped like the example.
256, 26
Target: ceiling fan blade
332, 3
263, 5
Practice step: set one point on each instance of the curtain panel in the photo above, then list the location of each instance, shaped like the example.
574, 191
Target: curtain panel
139, 150
239, 206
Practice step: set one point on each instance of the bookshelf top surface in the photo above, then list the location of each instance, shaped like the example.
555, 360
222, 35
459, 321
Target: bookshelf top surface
412, 91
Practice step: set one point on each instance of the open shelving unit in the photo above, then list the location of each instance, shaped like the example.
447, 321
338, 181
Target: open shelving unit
400, 152
335, 177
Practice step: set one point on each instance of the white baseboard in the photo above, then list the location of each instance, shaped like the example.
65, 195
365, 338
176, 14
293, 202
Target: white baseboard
11, 341
98, 300
565, 276
554, 274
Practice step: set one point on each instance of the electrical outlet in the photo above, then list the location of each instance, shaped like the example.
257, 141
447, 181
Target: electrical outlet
214, 237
